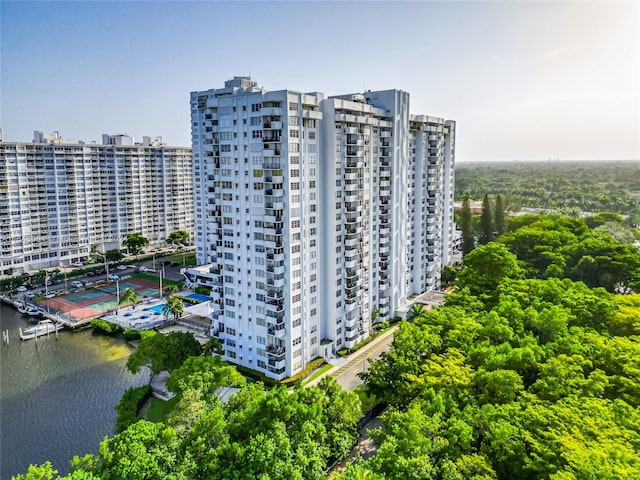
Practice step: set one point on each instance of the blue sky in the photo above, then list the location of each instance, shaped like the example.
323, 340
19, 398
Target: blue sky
523, 80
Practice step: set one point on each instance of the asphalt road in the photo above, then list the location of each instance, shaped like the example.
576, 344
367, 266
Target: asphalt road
347, 375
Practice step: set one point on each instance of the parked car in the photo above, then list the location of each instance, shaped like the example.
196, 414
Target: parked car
29, 295
50, 295
90, 274
114, 278
22, 288
88, 284
76, 264
143, 269
77, 283
121, 267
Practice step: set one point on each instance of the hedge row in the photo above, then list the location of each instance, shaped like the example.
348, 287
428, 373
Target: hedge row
129, 405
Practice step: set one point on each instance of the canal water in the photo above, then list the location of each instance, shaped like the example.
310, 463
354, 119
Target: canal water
57, 399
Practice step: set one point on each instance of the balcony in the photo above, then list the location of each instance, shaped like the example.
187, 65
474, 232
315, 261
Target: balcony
274, 179
274, 205
316, 115
383, 240
275, 282
278, 331
271, 111
351, 263
351, 242
351, 198
276, 257
383, 250
384, 301
277, 363
275, 351
272, 125
385, 193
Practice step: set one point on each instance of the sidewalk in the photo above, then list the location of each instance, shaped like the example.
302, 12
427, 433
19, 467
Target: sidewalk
342, 364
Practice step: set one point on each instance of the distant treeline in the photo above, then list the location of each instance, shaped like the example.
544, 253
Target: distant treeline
567, 187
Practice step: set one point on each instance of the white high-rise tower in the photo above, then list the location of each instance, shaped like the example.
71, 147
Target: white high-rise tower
304, 208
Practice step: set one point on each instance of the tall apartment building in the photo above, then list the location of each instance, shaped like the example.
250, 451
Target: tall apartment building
305, 209
58, 198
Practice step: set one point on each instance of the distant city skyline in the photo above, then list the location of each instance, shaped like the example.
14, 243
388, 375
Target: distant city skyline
523, 80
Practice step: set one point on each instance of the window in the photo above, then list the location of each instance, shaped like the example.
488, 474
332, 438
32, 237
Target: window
293, 106
294, 133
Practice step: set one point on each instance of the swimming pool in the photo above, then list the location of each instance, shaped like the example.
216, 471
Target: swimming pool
158, 308
199, 297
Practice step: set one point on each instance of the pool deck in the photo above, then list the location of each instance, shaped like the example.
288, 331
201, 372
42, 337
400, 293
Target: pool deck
144, 315
138, 317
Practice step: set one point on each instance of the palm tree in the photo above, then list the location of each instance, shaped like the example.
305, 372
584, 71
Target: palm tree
174, 307
129, 296
375, 315
172, 288
417, 312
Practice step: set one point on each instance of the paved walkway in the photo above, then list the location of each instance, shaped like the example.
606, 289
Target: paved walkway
343, 364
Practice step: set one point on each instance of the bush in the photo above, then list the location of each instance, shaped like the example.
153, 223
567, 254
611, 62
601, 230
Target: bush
131, 334
105, 327
127, 408
261, 377
203, 291
382, 326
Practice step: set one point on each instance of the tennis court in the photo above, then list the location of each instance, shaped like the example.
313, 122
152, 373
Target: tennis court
96, 301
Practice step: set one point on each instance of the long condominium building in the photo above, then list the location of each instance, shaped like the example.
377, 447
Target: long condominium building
58, 199
315, 217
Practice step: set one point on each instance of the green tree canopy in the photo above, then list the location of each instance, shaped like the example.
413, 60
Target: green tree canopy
163, 352
486, 221
178, 237
135, 242
486, 267
466, 227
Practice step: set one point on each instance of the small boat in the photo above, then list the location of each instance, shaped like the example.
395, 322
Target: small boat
44, 327
28, 309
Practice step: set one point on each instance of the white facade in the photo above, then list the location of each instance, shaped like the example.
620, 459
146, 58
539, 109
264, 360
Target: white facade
430, 208
303, 209
58, 199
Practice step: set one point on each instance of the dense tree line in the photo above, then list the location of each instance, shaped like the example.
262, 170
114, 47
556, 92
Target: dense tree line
259, 434
567, 187
564, 247
512, 378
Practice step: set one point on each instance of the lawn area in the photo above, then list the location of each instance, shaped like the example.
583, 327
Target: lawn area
368, 401
317, 373
158, 410
154, 278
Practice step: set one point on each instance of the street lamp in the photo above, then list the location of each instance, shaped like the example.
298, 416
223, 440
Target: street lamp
117, 293
161, 272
